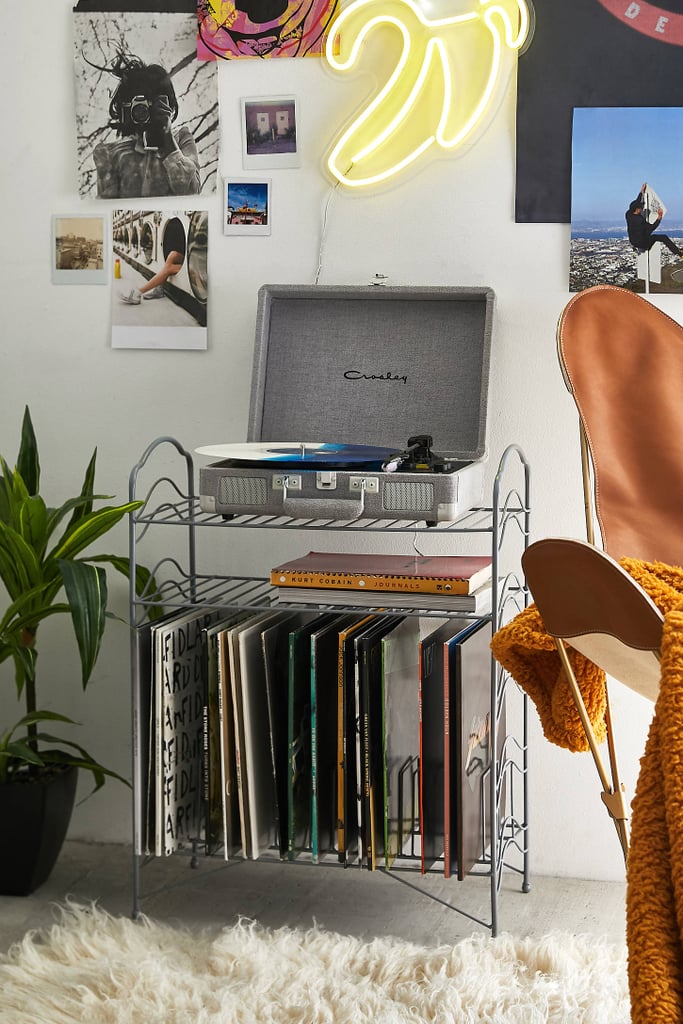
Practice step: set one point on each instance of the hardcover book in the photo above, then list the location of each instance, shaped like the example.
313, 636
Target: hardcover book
478, 602
406, 574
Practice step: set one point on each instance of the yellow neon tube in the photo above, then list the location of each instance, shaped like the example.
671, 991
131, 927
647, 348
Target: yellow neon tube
391, 132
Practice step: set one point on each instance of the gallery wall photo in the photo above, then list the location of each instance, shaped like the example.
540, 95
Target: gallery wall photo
610, 177
160, 292
136, 70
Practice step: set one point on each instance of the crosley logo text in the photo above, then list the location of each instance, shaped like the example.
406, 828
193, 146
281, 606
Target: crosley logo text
357, 375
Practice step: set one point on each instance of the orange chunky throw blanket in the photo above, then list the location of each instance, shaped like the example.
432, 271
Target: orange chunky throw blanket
654, 891
528, 653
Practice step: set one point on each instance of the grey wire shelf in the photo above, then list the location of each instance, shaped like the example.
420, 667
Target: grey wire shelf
171, 501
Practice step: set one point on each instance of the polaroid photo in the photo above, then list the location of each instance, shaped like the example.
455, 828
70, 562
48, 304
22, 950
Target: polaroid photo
270, 129
79, 253
246, 206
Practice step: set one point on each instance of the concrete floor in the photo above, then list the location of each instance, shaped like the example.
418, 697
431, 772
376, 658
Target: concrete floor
350, 901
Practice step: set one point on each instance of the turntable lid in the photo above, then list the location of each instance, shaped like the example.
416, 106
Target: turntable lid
373, 365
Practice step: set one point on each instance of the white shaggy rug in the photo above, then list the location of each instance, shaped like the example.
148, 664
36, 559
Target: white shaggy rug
93, 968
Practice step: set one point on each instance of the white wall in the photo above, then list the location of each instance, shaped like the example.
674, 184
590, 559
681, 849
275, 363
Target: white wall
452, 223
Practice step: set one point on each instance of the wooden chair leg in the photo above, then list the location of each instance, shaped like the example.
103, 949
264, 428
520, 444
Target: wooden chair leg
612, 790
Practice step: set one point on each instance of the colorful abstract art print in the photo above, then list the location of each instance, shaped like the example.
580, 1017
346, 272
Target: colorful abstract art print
263, 28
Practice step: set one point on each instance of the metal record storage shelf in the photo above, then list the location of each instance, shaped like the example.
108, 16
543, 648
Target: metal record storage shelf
170, 500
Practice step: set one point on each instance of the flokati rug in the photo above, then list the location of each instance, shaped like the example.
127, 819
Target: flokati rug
93, 968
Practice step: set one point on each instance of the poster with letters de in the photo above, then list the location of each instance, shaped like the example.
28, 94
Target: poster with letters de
600, 53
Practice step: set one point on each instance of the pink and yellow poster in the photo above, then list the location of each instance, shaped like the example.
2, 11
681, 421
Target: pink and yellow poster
228, 30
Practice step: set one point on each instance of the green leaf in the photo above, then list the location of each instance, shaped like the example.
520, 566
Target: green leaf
87, 492
55, 515
33, 523
145, 584
29, 609
42, 716
88, 529
19, 565
22, 751
86, 591
86, 760
28, 462
5, 492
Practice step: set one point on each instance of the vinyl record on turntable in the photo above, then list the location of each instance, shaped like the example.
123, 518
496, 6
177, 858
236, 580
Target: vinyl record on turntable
312, 453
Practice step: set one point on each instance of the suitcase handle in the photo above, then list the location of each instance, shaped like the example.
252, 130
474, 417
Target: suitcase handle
320, 508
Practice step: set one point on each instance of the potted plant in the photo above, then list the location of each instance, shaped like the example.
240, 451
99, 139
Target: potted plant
46, 571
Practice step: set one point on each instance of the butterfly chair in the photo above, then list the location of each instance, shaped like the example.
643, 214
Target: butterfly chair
588, 602
622, 362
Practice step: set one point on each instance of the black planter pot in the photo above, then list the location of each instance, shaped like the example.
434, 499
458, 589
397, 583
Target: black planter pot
35, 818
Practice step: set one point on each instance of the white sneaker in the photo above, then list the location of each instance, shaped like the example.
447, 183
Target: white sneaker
156, 293
132, 297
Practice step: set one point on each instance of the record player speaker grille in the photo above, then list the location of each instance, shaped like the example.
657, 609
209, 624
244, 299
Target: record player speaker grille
403, 496
246, 490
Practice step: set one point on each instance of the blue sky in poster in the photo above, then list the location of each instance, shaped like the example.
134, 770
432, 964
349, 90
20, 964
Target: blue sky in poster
616, 149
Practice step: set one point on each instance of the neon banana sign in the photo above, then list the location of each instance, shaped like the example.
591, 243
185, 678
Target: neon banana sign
426, 101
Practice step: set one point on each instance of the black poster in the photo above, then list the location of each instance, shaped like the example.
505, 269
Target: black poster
587, 53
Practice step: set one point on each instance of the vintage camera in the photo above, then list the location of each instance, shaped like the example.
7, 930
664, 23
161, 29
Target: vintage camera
138, 114
140, 110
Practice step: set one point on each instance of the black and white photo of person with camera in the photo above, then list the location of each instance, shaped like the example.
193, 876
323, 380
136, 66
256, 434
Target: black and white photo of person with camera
149, 156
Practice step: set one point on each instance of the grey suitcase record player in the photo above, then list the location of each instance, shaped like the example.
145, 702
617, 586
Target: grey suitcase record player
343, 378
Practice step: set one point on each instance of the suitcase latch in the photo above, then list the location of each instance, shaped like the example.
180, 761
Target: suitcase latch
326, 480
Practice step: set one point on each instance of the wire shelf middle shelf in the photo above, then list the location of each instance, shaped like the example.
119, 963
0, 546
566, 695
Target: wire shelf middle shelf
252, 592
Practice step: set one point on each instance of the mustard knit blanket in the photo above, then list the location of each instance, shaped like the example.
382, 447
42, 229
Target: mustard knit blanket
654, 881
654, 885
529, 654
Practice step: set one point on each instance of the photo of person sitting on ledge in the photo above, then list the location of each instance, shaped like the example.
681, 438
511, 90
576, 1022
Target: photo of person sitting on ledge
641, 233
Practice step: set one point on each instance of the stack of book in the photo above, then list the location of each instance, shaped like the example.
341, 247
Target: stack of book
458, 583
